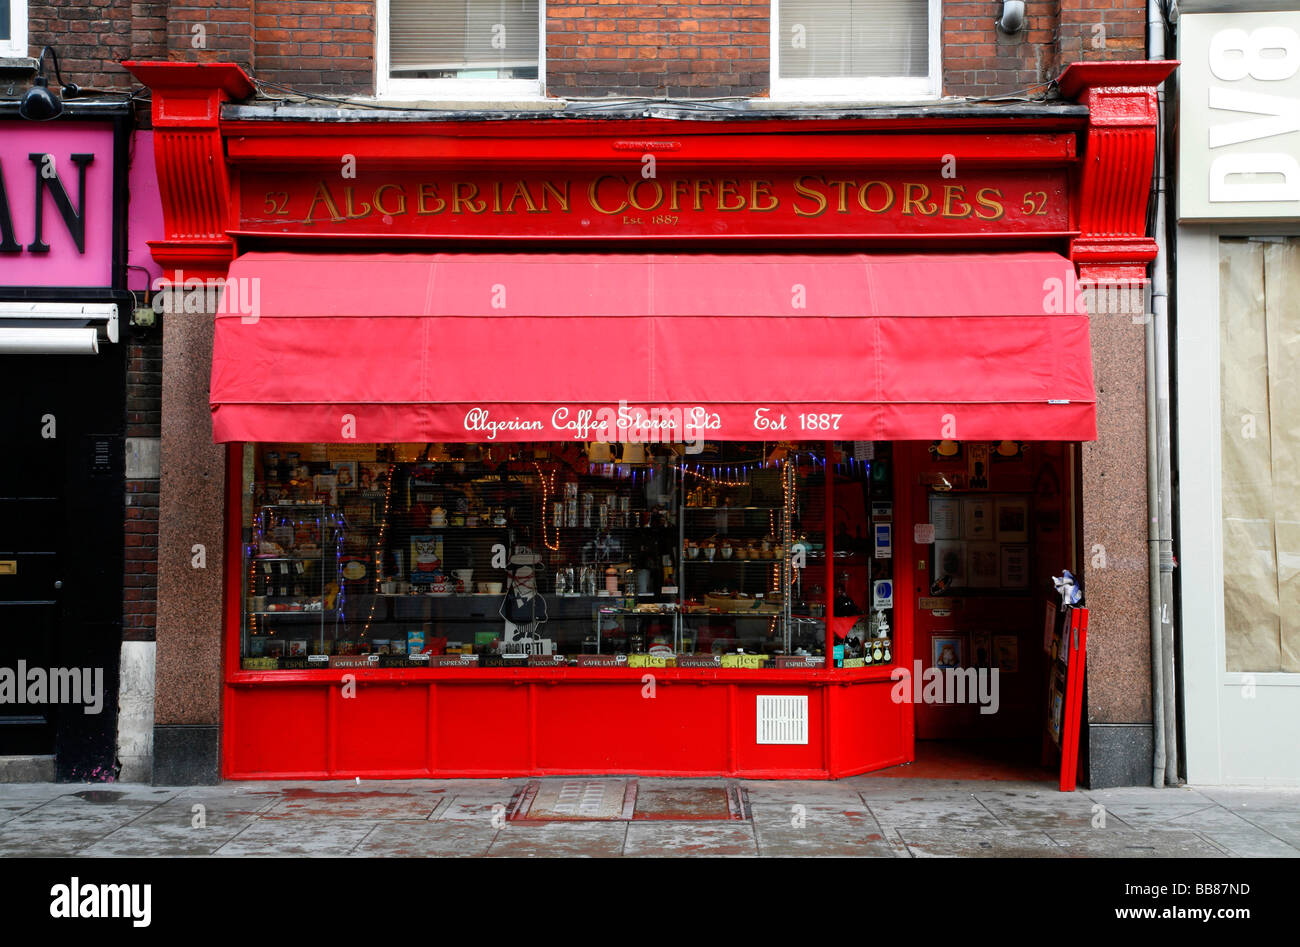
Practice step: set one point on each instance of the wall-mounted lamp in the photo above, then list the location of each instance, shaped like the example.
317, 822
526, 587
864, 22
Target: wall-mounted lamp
39, 103
1012, 19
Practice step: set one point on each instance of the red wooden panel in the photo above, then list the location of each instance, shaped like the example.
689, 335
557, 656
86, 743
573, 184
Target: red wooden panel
870, 730
753, 759
275, 732
382, 728
612, 728
482, 728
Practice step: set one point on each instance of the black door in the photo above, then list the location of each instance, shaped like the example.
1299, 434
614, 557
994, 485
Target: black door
61, 534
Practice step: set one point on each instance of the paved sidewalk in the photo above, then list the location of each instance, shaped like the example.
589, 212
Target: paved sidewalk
863, 816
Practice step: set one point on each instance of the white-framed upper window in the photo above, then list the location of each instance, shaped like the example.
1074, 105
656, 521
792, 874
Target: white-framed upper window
13, 27
856, 49
459, 49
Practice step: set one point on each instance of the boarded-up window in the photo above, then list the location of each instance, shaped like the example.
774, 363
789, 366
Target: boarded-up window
1259, 340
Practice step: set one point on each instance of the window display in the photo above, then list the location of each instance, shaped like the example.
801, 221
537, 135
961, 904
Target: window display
565, 554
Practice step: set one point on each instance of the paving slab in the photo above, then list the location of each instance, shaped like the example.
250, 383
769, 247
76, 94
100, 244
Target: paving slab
474, 808
365, 803
560, 840
1148, 795
1041, 810
297, 838
1236, 833
426, 839
979, 843
809, 793
949, 810
835, 831
1152, 843
685, 839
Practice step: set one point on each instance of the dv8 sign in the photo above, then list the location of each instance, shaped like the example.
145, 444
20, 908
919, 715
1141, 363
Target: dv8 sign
1239, 89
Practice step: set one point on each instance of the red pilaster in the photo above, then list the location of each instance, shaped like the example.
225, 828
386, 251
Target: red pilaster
1118, 160
193, 177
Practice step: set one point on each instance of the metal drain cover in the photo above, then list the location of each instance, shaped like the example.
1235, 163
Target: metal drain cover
620, 800
577, 800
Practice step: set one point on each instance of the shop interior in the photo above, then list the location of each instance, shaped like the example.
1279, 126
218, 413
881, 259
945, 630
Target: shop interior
571, 555
556, 554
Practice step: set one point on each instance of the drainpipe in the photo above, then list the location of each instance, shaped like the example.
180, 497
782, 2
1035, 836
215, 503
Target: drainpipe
1159, 499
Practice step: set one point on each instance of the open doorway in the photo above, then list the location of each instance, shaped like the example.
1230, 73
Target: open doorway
992, 522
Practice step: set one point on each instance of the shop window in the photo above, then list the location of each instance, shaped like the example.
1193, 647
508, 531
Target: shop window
561, 555
13, 27
855, 49
1258, 327
459, 48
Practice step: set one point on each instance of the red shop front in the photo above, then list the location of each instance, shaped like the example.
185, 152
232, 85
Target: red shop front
542, 463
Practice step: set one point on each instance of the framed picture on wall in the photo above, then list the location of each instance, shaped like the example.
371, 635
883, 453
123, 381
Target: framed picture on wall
945, 516
981, 649
950, 563
978, 517
983, 566
947, 651
1006, 653
1015, 567
1013, 520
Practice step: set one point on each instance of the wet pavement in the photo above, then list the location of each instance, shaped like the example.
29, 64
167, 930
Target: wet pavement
862, 816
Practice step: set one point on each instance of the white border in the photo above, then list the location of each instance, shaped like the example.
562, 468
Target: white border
472, 90
17, 45
1229, 739
876, 88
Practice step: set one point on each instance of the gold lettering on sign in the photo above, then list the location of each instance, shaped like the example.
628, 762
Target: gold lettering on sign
842, 197
922, 194
658, 194
864, 197
953, 194
322, 196
561, 196
803, 190
347, 202
593, 192
759, 188
678, 189
379, 199
521, 191
730, 187
429, 192
470, 200
993, 205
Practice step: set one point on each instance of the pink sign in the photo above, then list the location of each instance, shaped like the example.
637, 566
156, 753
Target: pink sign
66, 239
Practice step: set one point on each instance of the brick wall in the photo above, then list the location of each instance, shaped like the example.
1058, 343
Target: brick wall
594, 48
316, 47
143, 419
676, 48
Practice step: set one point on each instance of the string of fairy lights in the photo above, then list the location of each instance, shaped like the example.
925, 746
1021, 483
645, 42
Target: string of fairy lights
379, 552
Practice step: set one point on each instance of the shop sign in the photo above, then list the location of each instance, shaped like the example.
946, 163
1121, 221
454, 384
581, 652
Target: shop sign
606, 204
1239, 98
56, 205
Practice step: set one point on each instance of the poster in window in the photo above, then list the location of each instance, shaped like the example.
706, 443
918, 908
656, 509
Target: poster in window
1015, 567
945, 517
947, 651
1013, 520
983, 566
950, 563
1006, 653
978, 517
977, 458
981, 649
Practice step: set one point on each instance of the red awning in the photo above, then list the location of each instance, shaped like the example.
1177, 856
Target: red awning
510, 347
